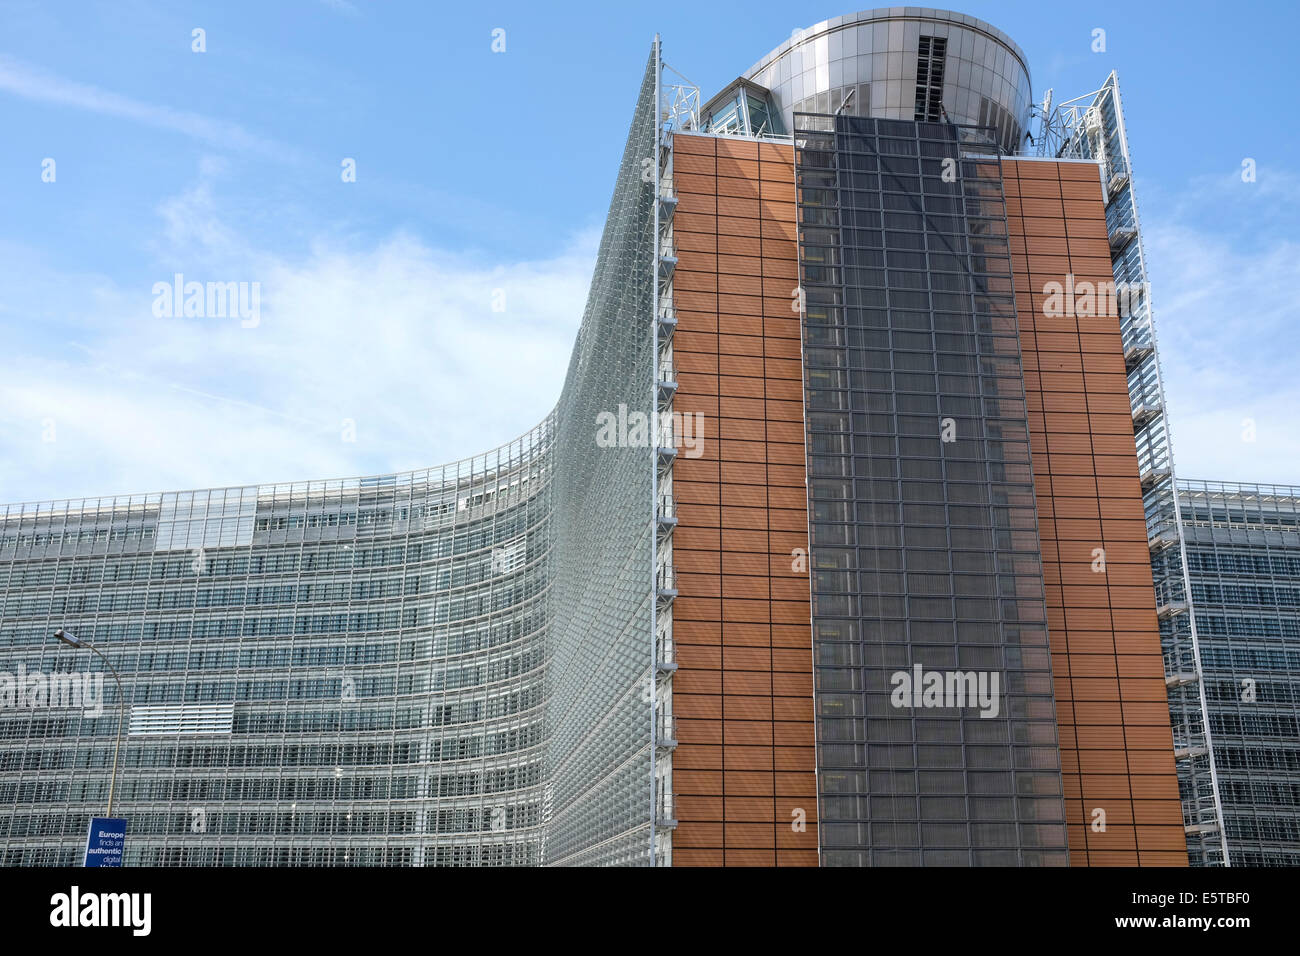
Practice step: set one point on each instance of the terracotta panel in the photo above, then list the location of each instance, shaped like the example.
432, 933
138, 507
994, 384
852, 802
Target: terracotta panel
738, 148
734, 245
687, 163
1112, 716
740, 168
687, 144
737, 349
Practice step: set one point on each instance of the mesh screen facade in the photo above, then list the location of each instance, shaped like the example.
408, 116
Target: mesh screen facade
923, 527
601, 675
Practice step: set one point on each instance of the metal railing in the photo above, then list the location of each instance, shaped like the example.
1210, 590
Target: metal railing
665, 578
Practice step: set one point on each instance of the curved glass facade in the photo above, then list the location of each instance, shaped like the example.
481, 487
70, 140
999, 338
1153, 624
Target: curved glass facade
315, 673
452, 666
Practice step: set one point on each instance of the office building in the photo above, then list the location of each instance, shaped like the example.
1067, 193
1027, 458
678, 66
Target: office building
836, 548
1243, 562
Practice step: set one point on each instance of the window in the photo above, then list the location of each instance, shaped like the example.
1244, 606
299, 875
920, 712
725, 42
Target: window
929, 79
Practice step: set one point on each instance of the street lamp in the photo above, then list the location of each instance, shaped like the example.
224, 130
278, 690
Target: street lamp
67, 637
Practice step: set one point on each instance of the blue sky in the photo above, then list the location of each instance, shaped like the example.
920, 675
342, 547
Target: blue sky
482, 175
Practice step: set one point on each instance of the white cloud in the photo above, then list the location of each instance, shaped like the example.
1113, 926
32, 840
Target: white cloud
399, 337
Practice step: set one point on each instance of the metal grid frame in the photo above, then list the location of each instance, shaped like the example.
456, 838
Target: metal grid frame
1092, 127
600, 700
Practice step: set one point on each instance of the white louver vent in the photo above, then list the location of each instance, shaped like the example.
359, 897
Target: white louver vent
186, 719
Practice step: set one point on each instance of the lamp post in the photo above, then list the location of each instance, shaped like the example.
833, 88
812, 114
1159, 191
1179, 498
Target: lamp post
73, 641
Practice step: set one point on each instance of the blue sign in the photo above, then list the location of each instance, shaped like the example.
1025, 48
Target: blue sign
105, 841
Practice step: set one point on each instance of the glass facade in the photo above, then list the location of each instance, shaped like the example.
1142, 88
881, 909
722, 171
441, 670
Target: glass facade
742, 109
318, 673
1243, 559
601, 672
922, 518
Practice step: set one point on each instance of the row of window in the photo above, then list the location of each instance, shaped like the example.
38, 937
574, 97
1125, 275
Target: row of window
938, 757
440, 783
1243, 594
976, 809
972, 835
1246, 625
1274, 758
473, 536
1242, 517
315, 592
1256, 726
448, 641
521, 850
215, 823
1247, 657
1249, 563
918, 857
935, 650
972, 730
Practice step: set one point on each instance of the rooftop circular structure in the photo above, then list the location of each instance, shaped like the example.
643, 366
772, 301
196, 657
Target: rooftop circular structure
910, 63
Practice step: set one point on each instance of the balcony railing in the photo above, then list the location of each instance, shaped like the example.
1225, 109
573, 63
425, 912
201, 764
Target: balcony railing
665, 806
666, 730
666, 581
665, 650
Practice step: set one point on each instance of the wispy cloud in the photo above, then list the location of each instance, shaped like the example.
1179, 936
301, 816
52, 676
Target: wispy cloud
40, 86
342, 6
